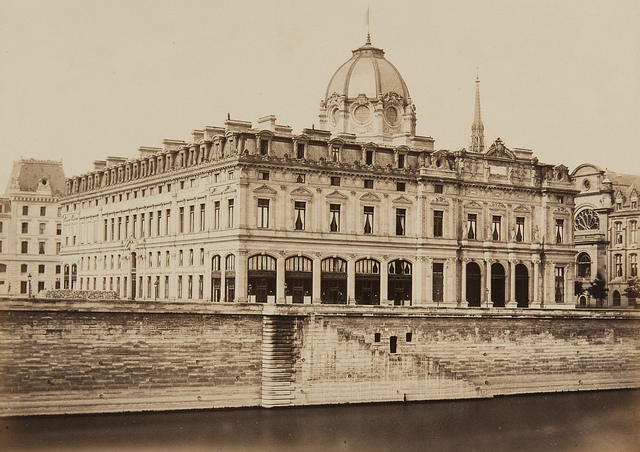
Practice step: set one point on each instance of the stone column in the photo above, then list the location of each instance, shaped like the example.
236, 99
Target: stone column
280, 281
462, 302
536, 283
241, 277
428, 280
351, 280
316, 294
417, 282
384, 282
488, 282
512, 284
450, 285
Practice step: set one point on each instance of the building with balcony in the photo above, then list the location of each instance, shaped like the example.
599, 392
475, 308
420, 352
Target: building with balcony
606, 232
359, 211
31, 228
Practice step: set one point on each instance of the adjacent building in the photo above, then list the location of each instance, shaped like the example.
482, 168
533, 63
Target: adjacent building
606, 233
360, 211
31, 228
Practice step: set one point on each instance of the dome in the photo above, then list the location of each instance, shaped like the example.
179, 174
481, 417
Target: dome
368, 72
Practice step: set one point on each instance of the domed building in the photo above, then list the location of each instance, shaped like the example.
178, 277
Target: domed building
368, 97
359, 211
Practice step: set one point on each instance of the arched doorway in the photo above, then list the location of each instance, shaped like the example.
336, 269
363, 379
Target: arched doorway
399, 279
473, 285
367, 281
230, 278
616, 298
333, 281
497, 285
134, 262
216, 277
298, 278
262, 278
583, 301
522, 286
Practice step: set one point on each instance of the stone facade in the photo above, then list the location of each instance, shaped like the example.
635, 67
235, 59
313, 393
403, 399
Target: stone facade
606, 233
31, 228
351, 215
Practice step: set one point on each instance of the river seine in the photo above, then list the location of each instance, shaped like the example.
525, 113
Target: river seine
588, 421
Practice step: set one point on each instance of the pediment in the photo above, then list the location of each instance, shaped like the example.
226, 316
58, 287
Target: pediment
370, 197
265, 190
521, 208
473, 205
336, 195
497, 205
440, 200
301, 191
498, 149
402, 200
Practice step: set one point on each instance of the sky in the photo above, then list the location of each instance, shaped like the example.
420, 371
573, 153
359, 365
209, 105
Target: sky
83, 80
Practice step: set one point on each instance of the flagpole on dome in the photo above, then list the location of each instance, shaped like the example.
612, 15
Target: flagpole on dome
368, 34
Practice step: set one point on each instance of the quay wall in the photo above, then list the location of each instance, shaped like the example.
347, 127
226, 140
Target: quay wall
71, 356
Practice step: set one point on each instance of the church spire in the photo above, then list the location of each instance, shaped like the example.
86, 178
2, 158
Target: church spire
477, 129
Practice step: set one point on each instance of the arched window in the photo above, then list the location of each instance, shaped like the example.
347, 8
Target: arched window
584, 265
333, 281
262, 278
230, 278
367, 280
587, 220
618, 259
633, 225
298, 279
616, 298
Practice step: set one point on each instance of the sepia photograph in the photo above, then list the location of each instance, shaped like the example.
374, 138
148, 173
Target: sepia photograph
314, 226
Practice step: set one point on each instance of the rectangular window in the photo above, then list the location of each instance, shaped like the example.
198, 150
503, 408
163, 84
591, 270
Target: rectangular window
25, 228
300, 178
179, 286
202, 217
43, 211
559, 231
119, 228
559, 272
393, 344
230, 214
135, 227
192, 218
42, 228
41, 247
400, 160
496, 227
216, 215
401, 217
335, 154
24, 268
191, 257
24, 247
126, 227
519, 229
300, 151
150, 224
158, 223
368, 220
159, 260
166, 287
401, 186
190, 287
438, 282
263, 213
618, 263
58, 269
438, 223
40, 269
180, 258
299, 214
23, 286
200, 287
58, 229
167, 222
263, 175
438, 188
334, 217
634, 231
168, 259
264, 147
113, 229
472, 222
25, 210
368, 184
181, 220
335, 180
633, 259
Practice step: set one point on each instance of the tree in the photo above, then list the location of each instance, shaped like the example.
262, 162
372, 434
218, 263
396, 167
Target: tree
578, 289
598, 290
633, 290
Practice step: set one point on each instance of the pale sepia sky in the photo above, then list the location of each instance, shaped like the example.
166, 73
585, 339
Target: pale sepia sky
80, 80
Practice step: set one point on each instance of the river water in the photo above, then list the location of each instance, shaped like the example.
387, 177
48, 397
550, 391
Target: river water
587, 421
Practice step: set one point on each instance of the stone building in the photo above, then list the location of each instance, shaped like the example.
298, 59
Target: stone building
360, 211
31, 228
606, 233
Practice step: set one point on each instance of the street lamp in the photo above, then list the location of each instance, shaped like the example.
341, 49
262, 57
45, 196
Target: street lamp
29, 278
